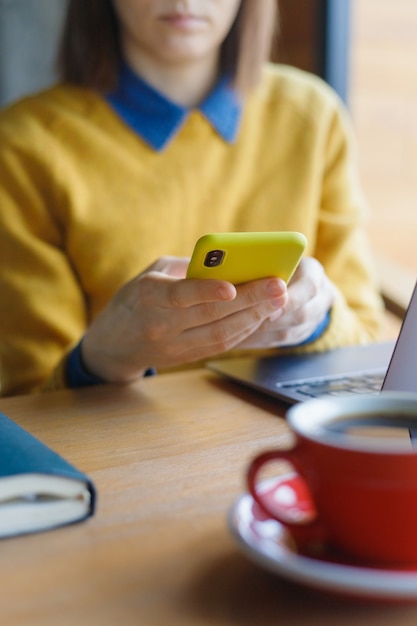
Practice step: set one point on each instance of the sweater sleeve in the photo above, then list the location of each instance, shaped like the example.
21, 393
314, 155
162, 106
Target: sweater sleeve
342, 245
43, 312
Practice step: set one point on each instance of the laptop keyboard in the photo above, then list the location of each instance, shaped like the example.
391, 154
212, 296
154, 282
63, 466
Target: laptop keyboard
336, 386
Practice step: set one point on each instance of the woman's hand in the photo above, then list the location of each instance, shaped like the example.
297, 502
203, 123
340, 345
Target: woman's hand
161, 319
310, 297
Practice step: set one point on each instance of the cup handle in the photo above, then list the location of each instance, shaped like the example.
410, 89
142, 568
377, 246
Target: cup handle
307, 530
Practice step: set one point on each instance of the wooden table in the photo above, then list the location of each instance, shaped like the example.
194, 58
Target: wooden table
168, 457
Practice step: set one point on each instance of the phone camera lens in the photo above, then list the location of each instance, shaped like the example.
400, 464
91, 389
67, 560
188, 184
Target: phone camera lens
214, 258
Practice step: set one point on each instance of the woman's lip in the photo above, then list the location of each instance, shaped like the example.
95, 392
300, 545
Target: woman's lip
182, 20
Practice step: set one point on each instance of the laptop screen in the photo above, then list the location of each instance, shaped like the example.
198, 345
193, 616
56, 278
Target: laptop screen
402, 370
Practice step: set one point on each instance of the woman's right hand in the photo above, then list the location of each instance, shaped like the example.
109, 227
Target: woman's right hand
161, 319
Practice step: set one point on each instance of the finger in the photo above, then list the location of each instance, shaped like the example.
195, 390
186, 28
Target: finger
261, 298
223, 334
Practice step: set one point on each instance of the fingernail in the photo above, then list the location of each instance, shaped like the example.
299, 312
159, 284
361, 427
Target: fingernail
224, 293
275, 288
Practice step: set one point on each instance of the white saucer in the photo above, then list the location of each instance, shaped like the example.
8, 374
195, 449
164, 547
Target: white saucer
266, 542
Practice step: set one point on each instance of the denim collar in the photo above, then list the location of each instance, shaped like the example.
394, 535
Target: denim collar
157, 120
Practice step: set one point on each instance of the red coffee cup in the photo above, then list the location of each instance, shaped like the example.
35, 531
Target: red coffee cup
356, 458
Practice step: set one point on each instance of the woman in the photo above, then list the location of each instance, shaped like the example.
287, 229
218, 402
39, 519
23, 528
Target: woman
168, 125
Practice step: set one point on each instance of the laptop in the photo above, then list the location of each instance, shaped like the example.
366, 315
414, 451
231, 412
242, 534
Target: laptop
388, 366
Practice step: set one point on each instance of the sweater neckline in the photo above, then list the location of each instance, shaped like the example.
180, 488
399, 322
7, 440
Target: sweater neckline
157, 120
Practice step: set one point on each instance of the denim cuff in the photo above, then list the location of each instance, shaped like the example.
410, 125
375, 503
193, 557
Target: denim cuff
78, 376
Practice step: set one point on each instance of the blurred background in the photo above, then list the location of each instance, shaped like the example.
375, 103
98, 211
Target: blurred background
366, 49
383, 103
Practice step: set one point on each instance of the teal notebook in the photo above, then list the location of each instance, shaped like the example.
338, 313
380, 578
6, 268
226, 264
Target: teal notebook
39, 489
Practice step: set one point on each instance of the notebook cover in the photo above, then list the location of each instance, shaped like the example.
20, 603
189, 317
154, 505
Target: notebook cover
22, 453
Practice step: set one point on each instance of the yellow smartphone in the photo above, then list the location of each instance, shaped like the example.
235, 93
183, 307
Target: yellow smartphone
242, 257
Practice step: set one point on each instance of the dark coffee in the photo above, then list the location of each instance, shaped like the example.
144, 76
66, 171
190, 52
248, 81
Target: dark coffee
399, 430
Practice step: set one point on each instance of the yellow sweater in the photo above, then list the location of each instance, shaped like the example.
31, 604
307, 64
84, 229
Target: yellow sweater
85, 205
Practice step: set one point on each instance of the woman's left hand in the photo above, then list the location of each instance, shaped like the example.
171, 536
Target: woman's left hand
310, 297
